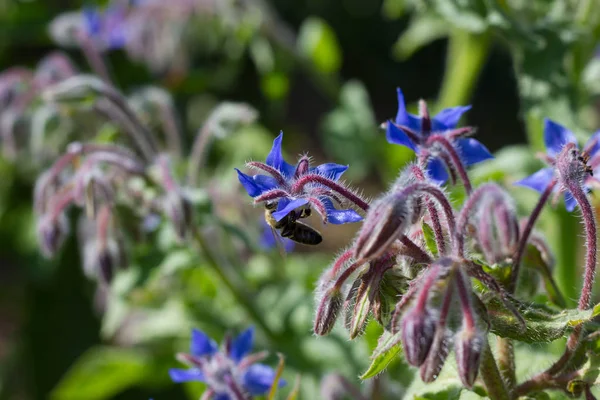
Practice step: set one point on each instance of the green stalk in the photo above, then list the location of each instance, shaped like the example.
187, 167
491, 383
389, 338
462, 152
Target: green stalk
236, 289
564, 234
490, 374
467, 54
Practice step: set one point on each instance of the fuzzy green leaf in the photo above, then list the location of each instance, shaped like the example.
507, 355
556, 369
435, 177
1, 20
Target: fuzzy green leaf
387, 349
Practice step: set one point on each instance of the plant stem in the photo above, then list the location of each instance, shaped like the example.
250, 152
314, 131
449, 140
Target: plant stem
466, 56
491, 376
234, 287
514, 273
566, 225
506, 362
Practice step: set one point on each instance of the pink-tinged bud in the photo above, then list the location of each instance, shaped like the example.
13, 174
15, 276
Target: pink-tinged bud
179, 210
468, 348
328, 311
302, 167
418, 330
442, 342
52, 233
388, 218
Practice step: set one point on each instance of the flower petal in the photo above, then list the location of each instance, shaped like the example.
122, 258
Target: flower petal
556, 136
538, 181
258, 378
275, 159
257, 184
448, 118
593, 145
330, 170
472, 151
339, 217
268, 240
285, 206
436, 170
403, 117
201, 344
186, 375
570, 202
395, 135
242, 345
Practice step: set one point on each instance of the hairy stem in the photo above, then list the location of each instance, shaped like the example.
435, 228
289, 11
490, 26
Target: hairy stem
454, 158
518, 257
506, 362
491, 376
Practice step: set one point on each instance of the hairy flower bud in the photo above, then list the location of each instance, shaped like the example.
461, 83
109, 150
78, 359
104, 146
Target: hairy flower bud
442, 342
386, 220
468, 349
418, 330
328, 311
179, 210
52, 233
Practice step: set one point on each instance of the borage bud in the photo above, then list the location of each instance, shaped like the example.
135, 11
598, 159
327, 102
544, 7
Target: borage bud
52, 233
442, 343
328, 311
387, 219
468, 350
179, 210
418, 330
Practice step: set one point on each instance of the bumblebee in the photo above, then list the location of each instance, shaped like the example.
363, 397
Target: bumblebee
289, 227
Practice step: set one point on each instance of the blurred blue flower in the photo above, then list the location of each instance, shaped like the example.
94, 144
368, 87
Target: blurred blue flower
556, 137
294, 187
414, 132
229, 370
108, 28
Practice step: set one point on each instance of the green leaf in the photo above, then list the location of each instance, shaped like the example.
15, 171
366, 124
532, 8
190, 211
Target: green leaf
318, 43
387, 349
429, 236
422, 31
101, 373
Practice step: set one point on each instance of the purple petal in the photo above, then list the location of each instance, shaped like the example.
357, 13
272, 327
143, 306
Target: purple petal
201, 344
472, 151
275, 159
570, 202
258, 379
538, 181
221, 396
404, 118
91, 19
257, 184
395, 135
285, 206
593, 145
339, 217
186, 375
448, 118
556, 136
330, 170
269, 241
436, 170
242, 345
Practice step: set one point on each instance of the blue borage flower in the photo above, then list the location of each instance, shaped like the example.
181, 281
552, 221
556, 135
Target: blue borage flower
431, 138
296, 186
108, 27
555, 138
227, 370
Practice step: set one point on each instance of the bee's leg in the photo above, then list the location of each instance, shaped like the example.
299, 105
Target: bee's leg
287, 231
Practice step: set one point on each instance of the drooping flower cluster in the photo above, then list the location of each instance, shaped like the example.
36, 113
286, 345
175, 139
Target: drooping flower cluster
230, 373
411, 264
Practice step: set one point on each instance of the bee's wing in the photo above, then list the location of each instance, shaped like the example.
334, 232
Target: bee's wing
279, 242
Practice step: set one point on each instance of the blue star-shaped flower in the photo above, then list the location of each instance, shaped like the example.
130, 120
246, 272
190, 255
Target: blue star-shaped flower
415, 132
214, 367
555, 138
294, 187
